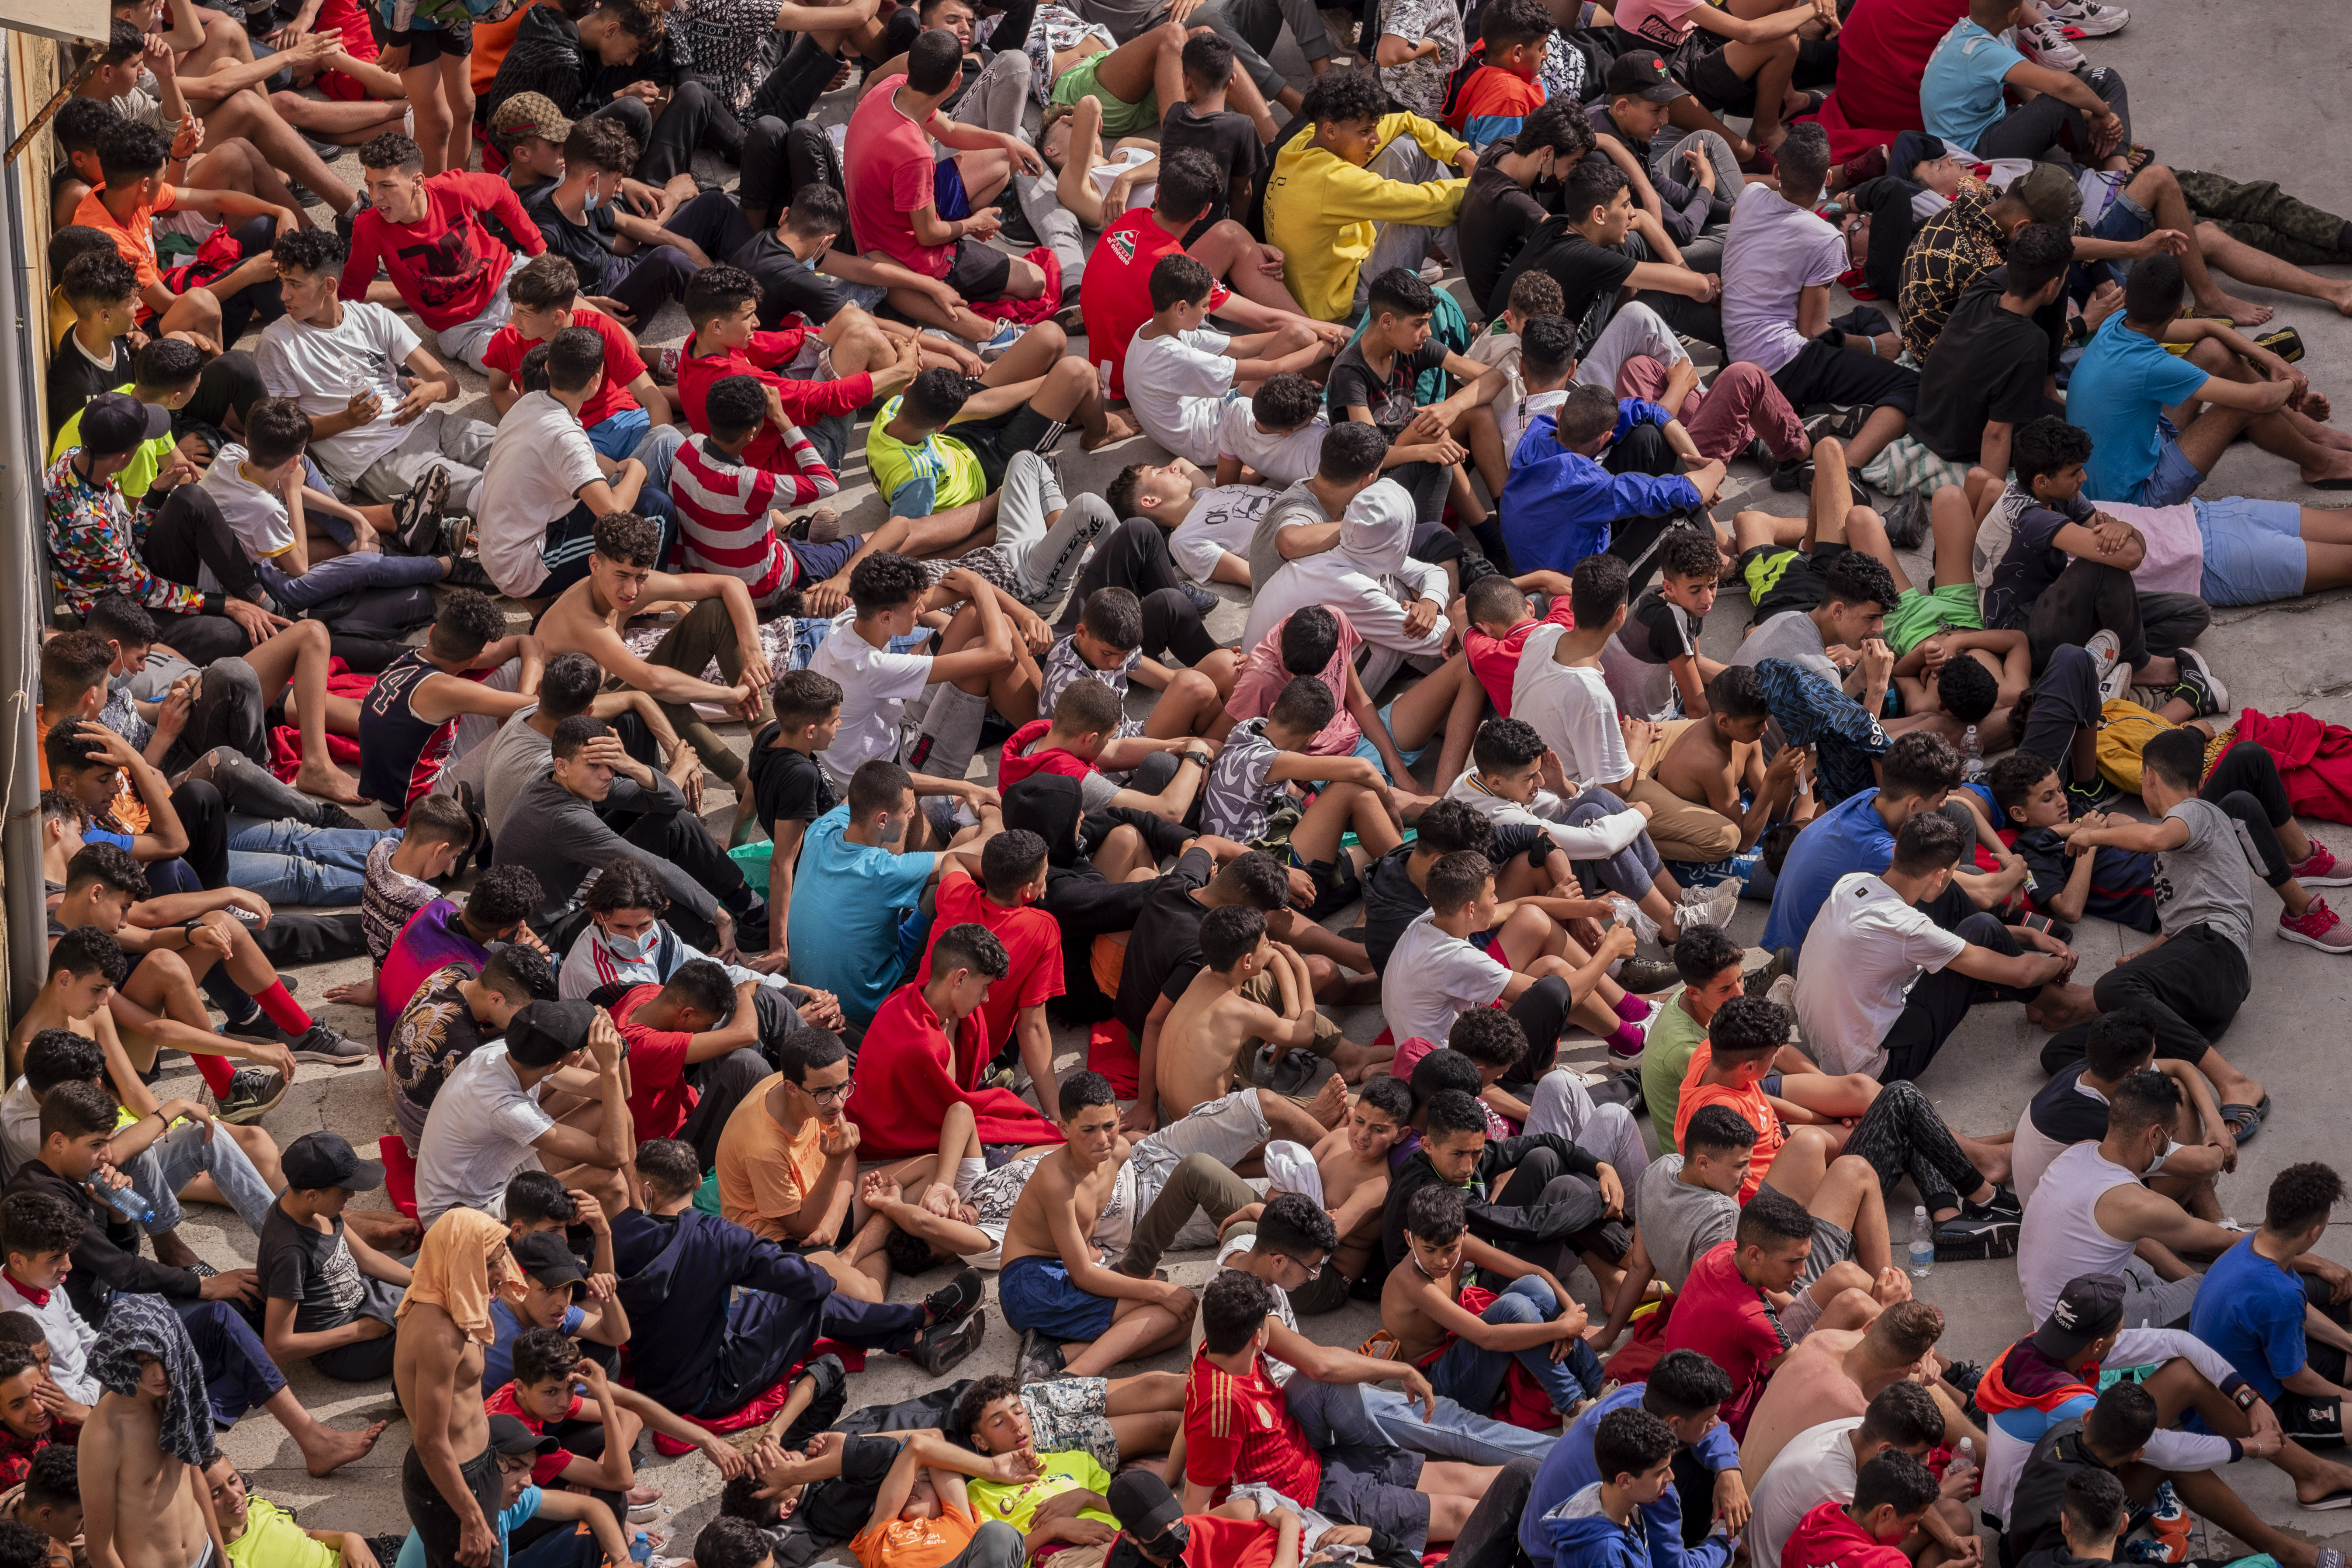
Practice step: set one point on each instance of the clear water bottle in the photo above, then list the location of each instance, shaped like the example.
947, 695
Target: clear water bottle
1965, 1455
1923, 1244
128, 1201
1972, 763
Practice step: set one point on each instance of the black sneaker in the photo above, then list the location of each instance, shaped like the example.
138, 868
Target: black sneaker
257, 1028
1202, 600
2004, 1205
1963, 1237
416, 516
1644, 976
1040, 1359
2096, 795
959, 1296
334, 816
942, 1345
324, 1045
2200, 687
1796, 474
1755, 982
467, 571
252, 1093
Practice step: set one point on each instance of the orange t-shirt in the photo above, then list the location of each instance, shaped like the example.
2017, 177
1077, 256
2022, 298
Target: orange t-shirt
913, 1542
133, 241
765, 1174
1749, 1104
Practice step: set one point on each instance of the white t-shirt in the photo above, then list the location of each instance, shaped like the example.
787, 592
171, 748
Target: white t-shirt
875, 686
1176, 383
1234, 1254
1222, 520
1433, 978
479, 1133
1282, 457
1814, 1466
1775, 249
321, 368
256, 516
20, 1127
1877, 946
1572, 708
539, 461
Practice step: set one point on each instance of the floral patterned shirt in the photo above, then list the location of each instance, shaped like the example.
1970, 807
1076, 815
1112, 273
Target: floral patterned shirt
1418, 86
95, 537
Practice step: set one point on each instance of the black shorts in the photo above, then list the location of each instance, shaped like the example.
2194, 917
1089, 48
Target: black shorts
978, 271
994, 441
426, 45
1825, 373
1800, 584
1714, 84
1374, 1487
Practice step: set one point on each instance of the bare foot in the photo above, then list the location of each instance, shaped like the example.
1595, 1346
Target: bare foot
321, 777
2240, 312
329, 1450
354, 994
2338, 468
640, 1496
1330, 1103
1991, 1160
1115, 429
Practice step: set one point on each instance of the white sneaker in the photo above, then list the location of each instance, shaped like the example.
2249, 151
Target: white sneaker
2108, 648
2046, 44
996, 347
2091, 18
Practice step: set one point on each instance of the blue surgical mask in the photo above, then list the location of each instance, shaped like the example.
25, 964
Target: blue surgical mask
634, 947
588, 200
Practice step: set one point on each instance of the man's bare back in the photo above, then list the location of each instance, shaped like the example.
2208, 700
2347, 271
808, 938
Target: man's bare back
139, 1503
1030, 1232
1702, 766
1201, 1044
1810, 1387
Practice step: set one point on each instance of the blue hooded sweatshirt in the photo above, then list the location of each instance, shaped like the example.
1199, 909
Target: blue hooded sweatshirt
1558, 505
1584, 1537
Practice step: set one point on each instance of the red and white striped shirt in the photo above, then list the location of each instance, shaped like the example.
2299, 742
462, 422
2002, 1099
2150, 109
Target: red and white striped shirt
723, 505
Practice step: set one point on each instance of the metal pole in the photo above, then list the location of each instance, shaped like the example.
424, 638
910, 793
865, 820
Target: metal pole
22, 509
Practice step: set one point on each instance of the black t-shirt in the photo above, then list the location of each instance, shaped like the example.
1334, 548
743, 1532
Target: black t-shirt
1988, 364
587, 246
786, 285
298, 1264
2123, 881
435, 1033
74, 379
1657, 630
1584, 271
1391, 400
786, 785
2032, 563
1163, 952
1498, 216
1229, 139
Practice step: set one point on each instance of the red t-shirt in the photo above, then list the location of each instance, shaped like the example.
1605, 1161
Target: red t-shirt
1728, 1320
1495, 660
1237, 1428
1115, 296
623, 363
1751, 1105
1217, 1542
546, 1468
888, 166
1017, 762
659, 1097
805, 402
448, 266
1031, 939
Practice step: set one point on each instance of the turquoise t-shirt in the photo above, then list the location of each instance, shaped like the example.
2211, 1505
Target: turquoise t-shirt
850, 902
1959, 92
522, 1512
2124, 381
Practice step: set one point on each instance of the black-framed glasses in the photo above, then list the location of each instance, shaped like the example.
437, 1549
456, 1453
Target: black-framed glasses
832, 1096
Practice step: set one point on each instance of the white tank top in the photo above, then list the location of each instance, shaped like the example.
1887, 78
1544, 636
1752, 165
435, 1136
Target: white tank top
2061, 1237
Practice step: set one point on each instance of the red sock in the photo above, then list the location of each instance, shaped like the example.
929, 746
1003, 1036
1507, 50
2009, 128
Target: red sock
283, 1010
216, 1072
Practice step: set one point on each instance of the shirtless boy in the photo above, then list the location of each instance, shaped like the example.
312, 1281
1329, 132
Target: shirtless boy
1714, 761
1067, 1306
587, 618
449, 1482
1351, 1164
1834, 1373
1213, 1023
142, 1452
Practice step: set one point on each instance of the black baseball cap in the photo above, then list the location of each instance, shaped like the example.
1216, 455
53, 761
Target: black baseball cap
1640, 73
543, 1256
115, 422
324, 1159
2090, 1308
508, 1435
543, 1032
1149, 1512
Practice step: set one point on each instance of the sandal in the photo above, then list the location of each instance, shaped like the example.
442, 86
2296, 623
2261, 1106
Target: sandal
2245, 1120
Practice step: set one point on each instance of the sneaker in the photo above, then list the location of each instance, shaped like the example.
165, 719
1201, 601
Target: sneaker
1782, 993
2318, 927
1040, 1359
662, 365
2045, 44
257, 1028
467, 571
1203, 601
821, 526
996, 348
2319, 868
2108, 649
324, 1045
416, 516
942, 1345
1757, 982
252, 1093
1984, 1236
958, 1296
2200, 687
2004, 1204
1646, 976
2097, 795
2089, 18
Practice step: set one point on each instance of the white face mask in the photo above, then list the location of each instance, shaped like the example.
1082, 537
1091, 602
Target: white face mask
638, 947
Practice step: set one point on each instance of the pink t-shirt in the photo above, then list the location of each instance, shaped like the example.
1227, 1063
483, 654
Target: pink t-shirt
1408, 1056
1261, 678
888, 165
2175, 562
1660, 23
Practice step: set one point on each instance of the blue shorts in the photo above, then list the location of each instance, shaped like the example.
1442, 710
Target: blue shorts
948, 195
1036, 1293
617, 435
815, 563
2253, 550
1371, 753
2176, 479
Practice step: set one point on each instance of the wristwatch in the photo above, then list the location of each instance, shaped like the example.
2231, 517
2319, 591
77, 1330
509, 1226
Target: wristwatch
1199, 758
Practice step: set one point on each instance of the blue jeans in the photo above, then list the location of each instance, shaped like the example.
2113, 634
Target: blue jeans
343, 574
1450, 1432
182, 1155
1473, 1375
239, 1374
287, 863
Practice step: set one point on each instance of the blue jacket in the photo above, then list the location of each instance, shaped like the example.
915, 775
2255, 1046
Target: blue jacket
678, 1277
1594, 1541
1569, 1467
1558, 505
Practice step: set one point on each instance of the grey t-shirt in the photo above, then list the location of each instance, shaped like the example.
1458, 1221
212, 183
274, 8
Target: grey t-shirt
514, 760
1792, 636
1680, 1221
1294, 506
2204, 880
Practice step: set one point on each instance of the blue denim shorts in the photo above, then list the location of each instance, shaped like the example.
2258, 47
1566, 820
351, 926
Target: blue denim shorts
1371, 753
2253, 550
2175, 479
1036, 1293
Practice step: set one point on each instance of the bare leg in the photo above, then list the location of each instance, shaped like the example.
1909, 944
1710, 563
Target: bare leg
299, 656
1770, 66
1185, 708
1071, 396
1137, 1328
436, 121
1229, 251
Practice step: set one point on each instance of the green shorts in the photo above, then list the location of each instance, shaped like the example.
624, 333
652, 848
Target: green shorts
1916, 616
1121, 118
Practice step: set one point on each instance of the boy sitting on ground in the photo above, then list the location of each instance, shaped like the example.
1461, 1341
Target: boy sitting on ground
730, 516
1716, 761
546, 298
1276, 434
1106, 647
558, 1390
1081, 741
1215, 1023
1316, 641
1651, 662
924, 472
1181, 374
1600, 1526
1352, 1170
328, 1295
2110, 882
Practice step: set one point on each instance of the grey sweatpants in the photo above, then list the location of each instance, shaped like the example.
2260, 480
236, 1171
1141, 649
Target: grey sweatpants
436, 440
1608, 1132
1405, 243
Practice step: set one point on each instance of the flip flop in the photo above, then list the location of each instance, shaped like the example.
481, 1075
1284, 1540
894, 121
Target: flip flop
2246, 1122
2340, 1498
2331, 484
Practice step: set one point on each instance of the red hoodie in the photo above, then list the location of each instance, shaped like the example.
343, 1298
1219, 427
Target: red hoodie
908, 1074
1829, 1538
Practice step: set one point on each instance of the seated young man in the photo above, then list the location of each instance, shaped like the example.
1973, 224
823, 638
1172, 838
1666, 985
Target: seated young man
1321, 643
1352, 1170
1620, 506
695, 1045
1211, 1036
1897, 1132
328, 1297
2259, 1317
444, 1022
459, 292
731, 514
2071, 1108
1920, 773
444, 933
1275, 435
1465, 1351
1837, 1377
1716, 761
1185, 373
1652, 663
527, 1097
557, 1390
1683, 1393
2119, 885
1082, 740
544, 295
1990, 370
1106, 647
1892, 1496
48, 1499
133, 158
433, 703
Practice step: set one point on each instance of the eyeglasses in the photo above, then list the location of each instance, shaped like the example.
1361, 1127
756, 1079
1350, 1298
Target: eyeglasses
832, 1096
1312, 1270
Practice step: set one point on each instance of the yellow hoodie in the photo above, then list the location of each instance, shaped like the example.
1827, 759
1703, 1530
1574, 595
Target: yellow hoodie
1321, 212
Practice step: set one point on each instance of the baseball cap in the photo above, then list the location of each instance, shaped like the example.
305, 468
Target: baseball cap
2049, 192
508, 1435
115, 422
530, 114
2090, 1306
543, 1256
544, 1033
1149, 1512
324, 1159
1640, 73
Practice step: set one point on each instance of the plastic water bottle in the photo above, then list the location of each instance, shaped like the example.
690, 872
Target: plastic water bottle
1923, 1244
1965, 1455
128, 1201
1972, 763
